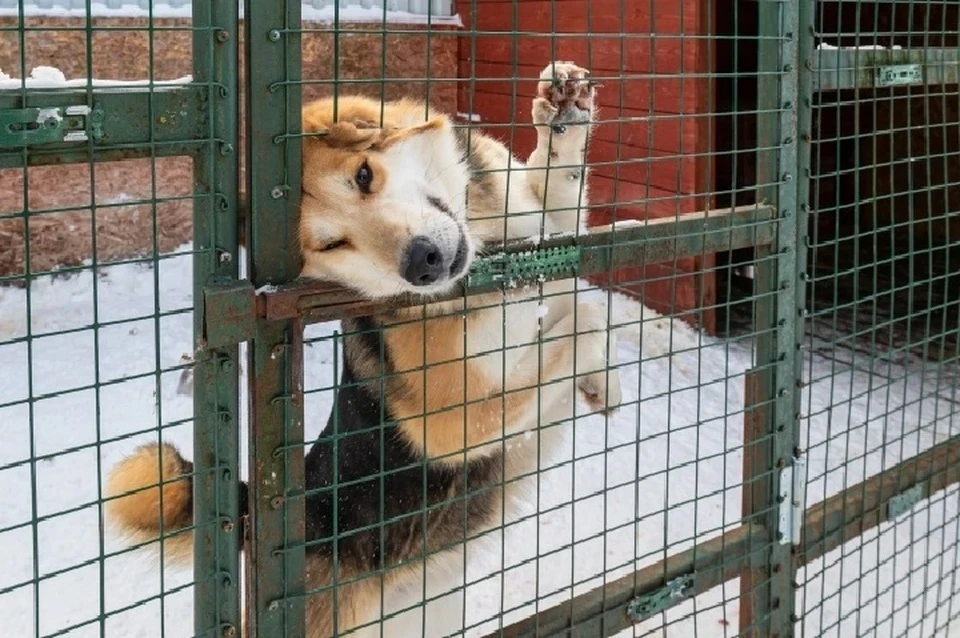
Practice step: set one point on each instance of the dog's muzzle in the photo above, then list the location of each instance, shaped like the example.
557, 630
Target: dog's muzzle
424, 263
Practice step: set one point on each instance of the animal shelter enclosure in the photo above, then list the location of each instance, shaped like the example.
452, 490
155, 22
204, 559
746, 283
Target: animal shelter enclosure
688, 366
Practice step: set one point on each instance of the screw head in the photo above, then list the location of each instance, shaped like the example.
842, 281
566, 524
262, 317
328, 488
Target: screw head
273, 35
223, 35
276, 193
227, 526
229, 631
276, 502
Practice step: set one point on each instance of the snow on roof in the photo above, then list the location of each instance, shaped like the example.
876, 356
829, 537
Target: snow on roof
439, 12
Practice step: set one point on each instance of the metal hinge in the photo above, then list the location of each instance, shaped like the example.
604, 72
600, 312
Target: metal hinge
660, 599
793, 488
49, 125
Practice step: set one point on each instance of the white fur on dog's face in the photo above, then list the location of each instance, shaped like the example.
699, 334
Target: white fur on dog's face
358, 235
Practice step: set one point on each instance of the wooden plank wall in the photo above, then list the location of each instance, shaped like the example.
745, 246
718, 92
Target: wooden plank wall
650, 150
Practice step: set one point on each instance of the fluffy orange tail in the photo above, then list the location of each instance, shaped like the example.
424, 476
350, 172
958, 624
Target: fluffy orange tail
136, 507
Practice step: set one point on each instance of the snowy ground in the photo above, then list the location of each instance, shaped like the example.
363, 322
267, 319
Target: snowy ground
677, 486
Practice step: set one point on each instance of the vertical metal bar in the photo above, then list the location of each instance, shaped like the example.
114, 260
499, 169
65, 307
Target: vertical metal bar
216, 380
275, 571
771, 438
804, 34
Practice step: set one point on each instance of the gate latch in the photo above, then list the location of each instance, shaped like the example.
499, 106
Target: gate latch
49, 125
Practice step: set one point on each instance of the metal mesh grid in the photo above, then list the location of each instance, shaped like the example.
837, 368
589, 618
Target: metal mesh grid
102, 235
750, 391
666, 473
881, 337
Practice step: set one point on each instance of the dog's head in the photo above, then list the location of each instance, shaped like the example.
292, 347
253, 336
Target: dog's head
383, 207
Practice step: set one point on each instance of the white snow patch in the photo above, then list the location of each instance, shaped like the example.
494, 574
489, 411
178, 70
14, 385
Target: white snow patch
47, 77
266, 289
826, 46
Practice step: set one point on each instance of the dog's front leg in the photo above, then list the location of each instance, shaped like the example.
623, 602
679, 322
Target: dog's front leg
563, 114
573, 356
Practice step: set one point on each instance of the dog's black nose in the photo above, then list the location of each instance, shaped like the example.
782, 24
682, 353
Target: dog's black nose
423, 263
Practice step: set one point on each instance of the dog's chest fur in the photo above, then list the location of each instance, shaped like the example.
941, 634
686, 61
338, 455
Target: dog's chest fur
389, 506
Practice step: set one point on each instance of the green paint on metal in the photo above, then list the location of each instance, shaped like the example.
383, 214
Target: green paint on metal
35, 126
904, 501
523, 268
629, 244
110, 123
661, 599
275, 563
171, 117
229, 313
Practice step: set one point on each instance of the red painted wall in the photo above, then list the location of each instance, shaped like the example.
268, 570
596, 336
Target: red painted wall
649, 151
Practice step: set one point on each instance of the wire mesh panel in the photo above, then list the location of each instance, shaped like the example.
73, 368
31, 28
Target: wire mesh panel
553, 317
879, 408
117, 190
523, 403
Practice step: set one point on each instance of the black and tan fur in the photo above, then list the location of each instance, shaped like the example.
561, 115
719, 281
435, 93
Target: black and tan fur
428, 394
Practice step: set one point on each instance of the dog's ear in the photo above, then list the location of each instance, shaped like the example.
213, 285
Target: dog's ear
354, 136
394, 136
358, 134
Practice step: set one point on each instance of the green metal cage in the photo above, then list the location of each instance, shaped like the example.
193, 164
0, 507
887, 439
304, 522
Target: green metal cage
775, 196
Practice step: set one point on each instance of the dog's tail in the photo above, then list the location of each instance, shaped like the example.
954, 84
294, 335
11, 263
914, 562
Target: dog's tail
151, 496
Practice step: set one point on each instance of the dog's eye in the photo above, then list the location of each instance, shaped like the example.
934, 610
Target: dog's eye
364, 177
333, 245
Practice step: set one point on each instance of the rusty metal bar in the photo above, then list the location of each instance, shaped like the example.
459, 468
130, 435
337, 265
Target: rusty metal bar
757, 484
604, 250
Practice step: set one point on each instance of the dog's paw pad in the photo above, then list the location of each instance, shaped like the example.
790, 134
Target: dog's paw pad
565, 94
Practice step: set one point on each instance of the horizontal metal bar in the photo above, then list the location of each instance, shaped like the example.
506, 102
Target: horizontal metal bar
846, 515
606, 610
178, 125
836, 69
604, 250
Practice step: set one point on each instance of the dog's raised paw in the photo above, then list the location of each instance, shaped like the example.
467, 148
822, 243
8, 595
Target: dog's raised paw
565, 95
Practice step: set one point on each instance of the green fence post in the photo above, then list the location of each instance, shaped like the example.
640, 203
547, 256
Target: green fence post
770, 500
275, 563
216, 374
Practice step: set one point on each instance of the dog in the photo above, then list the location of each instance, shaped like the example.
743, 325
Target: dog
443, 406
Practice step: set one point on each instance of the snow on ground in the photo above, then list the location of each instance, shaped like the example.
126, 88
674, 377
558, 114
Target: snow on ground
614, 505
48, 77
